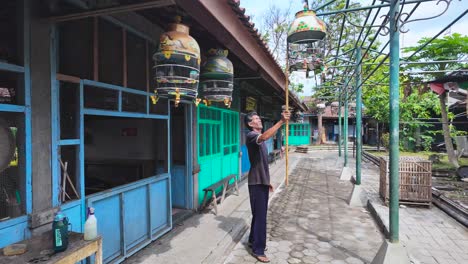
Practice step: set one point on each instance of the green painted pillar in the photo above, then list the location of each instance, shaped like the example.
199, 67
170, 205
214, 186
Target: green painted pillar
394, 120
339, 123
358, 116
345, 132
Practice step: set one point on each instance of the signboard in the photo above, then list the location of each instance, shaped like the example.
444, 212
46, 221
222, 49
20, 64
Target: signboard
250, 104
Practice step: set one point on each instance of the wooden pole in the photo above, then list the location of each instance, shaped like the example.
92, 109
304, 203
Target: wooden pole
287, 109
96, 49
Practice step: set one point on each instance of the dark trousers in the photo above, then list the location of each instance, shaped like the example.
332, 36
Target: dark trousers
259, 205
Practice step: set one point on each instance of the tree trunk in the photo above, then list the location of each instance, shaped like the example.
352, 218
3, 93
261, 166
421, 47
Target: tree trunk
378, 137
320, 129
445, 127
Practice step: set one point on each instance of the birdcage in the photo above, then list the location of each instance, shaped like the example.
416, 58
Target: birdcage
415, 176
335, 107
299, 116
217, 77
307, 57
177, 64
306, 28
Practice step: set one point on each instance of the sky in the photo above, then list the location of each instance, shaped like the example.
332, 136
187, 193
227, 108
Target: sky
417, 29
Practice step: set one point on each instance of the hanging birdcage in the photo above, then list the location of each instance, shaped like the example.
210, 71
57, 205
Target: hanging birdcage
321, 108
352, 109
335, 107
299, 116
217, 77
177, 64
307, 57
306, 28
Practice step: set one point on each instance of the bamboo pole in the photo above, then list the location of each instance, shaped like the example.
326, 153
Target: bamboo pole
287, 109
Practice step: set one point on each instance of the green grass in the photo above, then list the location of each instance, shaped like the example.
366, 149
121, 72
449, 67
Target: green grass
444, 165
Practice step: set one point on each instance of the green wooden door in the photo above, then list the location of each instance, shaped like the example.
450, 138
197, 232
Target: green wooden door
218, 145
299, 134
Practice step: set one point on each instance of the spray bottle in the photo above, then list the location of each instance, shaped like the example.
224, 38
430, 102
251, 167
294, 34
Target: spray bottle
90, 228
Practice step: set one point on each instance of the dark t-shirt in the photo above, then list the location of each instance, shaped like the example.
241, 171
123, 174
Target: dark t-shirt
258, 157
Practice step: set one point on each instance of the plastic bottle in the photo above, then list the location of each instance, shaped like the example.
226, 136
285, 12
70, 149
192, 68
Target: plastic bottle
60, 232
90, 228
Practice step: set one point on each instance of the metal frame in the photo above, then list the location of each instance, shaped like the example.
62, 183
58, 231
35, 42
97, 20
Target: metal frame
392, 25
167, 176
57, 142
26, 110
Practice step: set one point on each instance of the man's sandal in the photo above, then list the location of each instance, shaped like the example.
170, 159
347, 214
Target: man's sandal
261, 258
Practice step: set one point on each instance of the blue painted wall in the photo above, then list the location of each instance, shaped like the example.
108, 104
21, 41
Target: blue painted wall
178, 180
131, 216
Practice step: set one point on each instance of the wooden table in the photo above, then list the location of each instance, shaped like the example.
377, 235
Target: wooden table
78, 249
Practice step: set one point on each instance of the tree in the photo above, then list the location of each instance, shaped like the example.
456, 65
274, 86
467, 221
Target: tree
453, 47
337, 51
297, 87
416, 102
274, 31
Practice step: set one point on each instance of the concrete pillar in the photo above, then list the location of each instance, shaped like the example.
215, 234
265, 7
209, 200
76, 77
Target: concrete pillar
41, 111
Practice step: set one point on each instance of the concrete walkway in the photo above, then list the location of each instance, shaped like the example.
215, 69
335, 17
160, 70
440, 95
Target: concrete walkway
309, 221
206, 238
430, 235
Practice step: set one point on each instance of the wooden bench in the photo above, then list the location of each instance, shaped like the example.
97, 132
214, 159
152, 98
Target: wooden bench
212, 188
77, 250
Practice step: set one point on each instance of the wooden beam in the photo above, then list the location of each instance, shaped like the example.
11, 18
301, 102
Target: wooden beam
96, 49
148, 72
112, 10
124, 56
216, 28
67, 78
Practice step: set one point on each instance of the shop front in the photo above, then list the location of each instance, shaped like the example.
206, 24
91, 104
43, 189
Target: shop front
83, 126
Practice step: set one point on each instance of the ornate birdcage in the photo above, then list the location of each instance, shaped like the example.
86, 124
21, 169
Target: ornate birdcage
335, 107
307, 57
299, 116
321, 108
217, 77
352, 109
306, 28
306, 32
177, 64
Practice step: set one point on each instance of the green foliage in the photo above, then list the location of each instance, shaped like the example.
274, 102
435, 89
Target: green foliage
385, 140
296, 87
376, 97
426, 142
452, 47
453, 132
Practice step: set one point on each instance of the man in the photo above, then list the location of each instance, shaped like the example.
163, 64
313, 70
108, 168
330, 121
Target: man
259, 180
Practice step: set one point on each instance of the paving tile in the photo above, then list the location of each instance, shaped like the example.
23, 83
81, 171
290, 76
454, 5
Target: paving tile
310, 221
